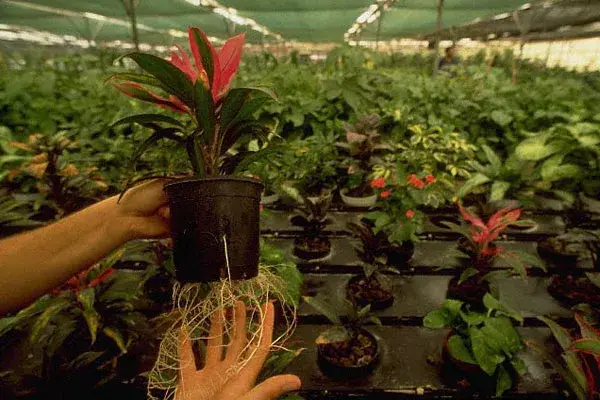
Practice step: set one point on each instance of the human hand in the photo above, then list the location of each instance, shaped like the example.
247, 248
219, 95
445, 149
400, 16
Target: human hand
143, 211
216, 381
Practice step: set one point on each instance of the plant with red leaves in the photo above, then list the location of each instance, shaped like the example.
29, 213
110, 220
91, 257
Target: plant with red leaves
579, 364
479, 246
218, 116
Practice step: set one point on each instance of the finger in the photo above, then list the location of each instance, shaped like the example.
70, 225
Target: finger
238, 338
251, 370
274, 387
214, 346
164, 212
186, 355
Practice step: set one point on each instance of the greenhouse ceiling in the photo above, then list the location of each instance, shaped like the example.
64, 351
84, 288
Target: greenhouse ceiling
163, 22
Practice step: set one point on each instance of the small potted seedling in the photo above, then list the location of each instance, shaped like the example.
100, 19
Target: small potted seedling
313, 219
362, 142
482, 348
372, 287
478, 251
214, 216
579, 363
559, 250
347, 349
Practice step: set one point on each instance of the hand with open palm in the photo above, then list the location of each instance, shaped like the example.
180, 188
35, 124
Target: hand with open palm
215, 381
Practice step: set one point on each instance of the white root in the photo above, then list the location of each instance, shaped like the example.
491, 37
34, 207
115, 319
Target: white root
195, 304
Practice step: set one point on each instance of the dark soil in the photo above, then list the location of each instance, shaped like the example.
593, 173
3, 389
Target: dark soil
309, 247
572, 291
399, 256
361, 191
362, 291
359, 351
470, 291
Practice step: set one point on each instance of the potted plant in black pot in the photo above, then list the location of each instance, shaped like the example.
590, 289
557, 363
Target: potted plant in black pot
372, 287
214, 215
362, 142
478, 252
211, 207
482, 348
313, 219
347, 349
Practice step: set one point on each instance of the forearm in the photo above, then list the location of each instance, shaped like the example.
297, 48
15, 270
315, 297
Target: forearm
35, 262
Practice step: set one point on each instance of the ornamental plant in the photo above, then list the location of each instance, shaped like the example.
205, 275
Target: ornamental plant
399, 199
479, 248
362, 142
579, 362
217, 116
486, 341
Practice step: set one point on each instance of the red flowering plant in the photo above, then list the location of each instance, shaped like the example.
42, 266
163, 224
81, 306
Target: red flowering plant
199, 87
478, 246
400, 196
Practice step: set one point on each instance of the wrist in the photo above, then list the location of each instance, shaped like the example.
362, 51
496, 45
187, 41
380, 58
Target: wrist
117, 223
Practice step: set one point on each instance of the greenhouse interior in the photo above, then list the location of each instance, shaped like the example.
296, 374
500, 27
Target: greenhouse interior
376, 199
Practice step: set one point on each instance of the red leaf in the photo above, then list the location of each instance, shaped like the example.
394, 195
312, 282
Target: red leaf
139, 92
472, 219
182, 61
229, 60
216, 78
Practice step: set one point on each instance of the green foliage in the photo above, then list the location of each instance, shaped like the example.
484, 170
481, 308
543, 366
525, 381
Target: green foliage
488, 340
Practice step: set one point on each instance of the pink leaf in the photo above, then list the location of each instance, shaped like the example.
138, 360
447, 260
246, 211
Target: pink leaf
229, 60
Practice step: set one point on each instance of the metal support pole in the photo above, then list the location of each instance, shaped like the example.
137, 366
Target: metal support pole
440, 6
130, 7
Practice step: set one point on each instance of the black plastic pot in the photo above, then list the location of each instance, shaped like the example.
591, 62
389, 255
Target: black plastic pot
375, 305
572, 290
470, 291
209, 215
334, 370
398, 256
311, 254
549, 253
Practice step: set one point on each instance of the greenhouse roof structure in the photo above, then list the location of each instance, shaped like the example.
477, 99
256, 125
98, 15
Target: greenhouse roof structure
163, 22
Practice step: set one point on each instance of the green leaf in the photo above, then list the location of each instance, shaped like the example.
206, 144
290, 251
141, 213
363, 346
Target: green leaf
498, 190
459, 350
519, 365
241, 104
592, 276
487, 358
195, 156
562, 336
172, 79
437, 319
136, 78
476, 180
167, 133
466, 274
205, 111
42, 321
501, 118
205, 54
535, 148
335, 334
63, 331
145, 118
324, 307
501, 335
491, 303
116, 337
591, 346
494, 160
503, 381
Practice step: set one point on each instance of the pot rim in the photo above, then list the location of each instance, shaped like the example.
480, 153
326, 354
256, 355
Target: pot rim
345, 190
191, 180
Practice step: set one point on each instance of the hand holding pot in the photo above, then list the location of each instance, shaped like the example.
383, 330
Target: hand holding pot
144, 210
215, 381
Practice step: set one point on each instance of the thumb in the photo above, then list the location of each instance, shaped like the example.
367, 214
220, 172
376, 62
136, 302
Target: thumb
274, 387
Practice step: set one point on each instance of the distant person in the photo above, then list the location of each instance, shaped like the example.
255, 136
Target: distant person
449, 60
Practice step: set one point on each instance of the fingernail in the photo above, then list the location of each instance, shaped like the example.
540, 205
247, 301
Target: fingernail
292, 385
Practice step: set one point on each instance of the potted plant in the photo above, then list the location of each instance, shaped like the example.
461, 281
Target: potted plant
399, 218
214, 216
482, 348
579, 362
478, 251
559, 249
347, 349
211, 214
313, 219
362, 141
372, 287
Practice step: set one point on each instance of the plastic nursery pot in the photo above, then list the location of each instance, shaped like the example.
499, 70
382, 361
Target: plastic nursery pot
470, 291
571, 290
215, 224
358, 202
312, 248
398, 256
549, 252
368, 291
456, 371
353, 359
